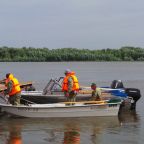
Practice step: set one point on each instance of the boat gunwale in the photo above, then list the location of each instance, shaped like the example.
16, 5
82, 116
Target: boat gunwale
43, 106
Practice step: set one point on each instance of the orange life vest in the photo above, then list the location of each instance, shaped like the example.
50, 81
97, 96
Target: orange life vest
75, 82
72, 137
16, 86
16, 141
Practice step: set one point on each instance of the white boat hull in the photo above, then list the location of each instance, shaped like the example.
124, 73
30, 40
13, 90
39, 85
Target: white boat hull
62, 110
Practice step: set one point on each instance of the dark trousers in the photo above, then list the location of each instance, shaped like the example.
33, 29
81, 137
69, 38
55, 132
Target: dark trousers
15, 99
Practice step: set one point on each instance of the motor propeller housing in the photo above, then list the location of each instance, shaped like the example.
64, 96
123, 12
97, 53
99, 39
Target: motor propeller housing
133, 93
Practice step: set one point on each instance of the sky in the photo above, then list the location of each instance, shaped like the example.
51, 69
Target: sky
88, 24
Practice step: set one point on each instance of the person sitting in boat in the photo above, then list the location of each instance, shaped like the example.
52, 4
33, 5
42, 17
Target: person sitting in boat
13, 89
70, 85
96, 93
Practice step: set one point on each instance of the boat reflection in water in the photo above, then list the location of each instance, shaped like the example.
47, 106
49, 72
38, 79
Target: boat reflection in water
128, 117
62, 130
71, 134
14, 135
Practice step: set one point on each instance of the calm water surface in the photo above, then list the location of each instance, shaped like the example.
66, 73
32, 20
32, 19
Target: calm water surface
128, 128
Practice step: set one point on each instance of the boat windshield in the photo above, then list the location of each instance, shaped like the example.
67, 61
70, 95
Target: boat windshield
54, 85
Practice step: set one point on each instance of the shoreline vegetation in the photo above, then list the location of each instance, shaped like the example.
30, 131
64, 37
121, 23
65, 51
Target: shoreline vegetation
24, 54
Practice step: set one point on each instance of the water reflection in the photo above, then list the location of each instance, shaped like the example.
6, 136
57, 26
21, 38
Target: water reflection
128, 117
96, 132
80, 130
14, 136
71, 134
63, 130
128, 131
10, 131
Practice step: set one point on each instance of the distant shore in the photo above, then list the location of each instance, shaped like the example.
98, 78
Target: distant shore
8, 54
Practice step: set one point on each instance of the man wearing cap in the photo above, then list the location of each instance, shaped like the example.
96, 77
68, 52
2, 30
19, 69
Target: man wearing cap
96, 93
70, 85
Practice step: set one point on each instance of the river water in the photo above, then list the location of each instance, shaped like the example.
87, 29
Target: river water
128, 128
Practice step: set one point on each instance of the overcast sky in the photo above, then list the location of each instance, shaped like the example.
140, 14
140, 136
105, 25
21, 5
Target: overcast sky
91, 24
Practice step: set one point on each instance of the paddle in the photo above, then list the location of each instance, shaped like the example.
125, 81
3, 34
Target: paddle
105, 91
23, 85
2, 81
86, 102
111, 101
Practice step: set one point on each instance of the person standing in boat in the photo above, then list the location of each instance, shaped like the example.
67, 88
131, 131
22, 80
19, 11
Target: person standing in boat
70, 85
96, 93
13, 89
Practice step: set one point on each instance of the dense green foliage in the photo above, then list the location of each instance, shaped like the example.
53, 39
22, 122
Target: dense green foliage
70, 54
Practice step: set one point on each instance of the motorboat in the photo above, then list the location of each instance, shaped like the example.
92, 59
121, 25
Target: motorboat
64, 109
52, 93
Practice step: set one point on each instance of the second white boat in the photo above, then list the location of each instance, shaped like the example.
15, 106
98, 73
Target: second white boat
78, 109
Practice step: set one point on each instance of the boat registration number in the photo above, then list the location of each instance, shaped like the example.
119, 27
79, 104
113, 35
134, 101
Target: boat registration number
28, 109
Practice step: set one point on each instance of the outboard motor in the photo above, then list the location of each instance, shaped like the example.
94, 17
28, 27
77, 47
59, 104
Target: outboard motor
134, 94
117, 84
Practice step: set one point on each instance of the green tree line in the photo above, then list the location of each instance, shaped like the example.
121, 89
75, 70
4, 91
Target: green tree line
8, 54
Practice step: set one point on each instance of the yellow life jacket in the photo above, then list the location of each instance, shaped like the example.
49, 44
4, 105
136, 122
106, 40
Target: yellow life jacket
16, 86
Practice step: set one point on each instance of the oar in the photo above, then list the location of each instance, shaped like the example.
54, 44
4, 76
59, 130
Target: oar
86, 102
106, 89
119, 93
2, 81
21, 85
